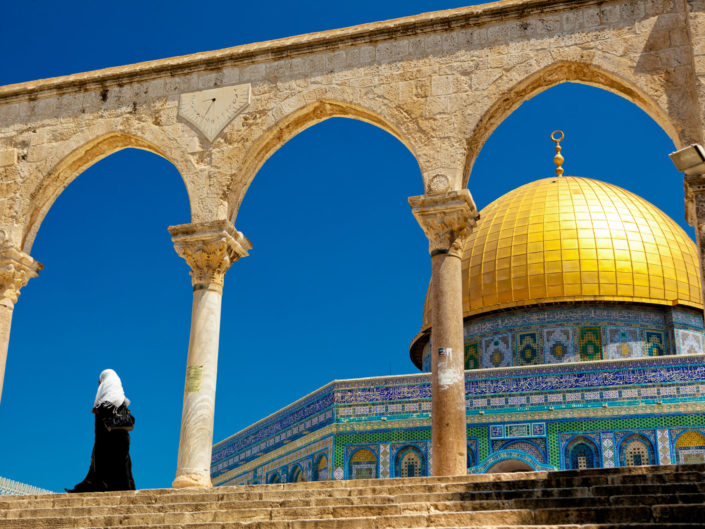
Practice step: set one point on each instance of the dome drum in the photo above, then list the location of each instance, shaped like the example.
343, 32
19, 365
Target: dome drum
570, 253
564, 333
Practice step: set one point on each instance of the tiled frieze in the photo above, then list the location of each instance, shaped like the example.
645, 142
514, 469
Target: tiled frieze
603, 397
579, 333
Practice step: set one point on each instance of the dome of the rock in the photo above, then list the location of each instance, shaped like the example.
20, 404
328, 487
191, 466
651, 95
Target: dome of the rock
571, 241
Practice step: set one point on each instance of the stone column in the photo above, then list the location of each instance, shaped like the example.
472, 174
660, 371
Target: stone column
209, 249
695, 215
447, 219
16, 268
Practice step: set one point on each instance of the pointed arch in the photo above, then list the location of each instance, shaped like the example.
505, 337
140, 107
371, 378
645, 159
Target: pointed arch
553, 75
88, 148
291, 125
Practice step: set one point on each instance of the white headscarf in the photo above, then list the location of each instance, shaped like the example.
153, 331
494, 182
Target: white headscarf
110, 390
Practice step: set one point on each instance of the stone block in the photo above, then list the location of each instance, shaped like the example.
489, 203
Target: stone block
8, 157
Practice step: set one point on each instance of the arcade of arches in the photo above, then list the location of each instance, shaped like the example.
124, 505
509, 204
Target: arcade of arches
440, 82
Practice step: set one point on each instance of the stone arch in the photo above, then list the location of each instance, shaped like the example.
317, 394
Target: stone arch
581, 452
291, 125
89, 148
553, 75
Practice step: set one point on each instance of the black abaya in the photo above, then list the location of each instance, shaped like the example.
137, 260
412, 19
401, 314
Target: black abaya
111, 467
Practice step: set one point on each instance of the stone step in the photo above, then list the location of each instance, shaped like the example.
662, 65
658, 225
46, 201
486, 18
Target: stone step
439, 502
600, 485
108, 500
222, 520
654, 474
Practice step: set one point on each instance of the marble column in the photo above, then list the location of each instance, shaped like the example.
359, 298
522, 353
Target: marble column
447, 219
16, 268
209, 249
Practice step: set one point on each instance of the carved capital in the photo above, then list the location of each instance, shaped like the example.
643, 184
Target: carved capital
16, 269
209, 249
447, 220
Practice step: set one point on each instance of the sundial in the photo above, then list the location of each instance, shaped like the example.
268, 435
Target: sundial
210, 111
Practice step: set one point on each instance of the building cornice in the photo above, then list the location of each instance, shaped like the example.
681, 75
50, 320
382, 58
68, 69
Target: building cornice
471, 16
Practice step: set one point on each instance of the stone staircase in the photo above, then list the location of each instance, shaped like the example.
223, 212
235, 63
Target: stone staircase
656, 497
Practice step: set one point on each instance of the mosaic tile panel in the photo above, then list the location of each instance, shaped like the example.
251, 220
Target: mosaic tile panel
384, 461
590, 343
472, 355
535, 448
517, 430
654, 343
623, 342
497, 351
558, 345
608, 451
663, 441
689, 342
528, 350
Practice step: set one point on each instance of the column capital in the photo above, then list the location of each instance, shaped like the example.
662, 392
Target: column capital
447, 220
209, 249
16, 269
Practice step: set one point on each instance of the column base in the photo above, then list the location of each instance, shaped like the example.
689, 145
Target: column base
192, 481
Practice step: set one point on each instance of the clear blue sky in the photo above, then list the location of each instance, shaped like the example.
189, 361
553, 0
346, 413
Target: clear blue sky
335, 283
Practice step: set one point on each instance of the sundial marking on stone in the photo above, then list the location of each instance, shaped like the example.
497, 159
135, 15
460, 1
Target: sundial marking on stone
210, 111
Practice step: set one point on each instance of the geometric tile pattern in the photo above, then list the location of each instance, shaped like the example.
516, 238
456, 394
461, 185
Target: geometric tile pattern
623, 342
590, 343
664, 447
607, 450
689, 342
654, 343
472, 355
497, 351
558, 345
528, 350
384, 461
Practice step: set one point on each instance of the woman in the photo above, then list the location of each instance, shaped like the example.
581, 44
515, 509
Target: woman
111, 468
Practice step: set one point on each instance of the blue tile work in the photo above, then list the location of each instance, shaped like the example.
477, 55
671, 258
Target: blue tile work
552, 334
508, 410
296, 420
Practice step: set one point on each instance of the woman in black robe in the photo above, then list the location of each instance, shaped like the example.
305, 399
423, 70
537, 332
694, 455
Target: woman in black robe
111, 467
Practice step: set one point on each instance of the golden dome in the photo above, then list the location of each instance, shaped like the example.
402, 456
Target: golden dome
576, 239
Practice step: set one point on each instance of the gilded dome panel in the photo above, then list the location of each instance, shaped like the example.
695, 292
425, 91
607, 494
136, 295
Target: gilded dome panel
572, 239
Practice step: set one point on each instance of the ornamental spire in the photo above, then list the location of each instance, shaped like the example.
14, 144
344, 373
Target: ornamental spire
557, 136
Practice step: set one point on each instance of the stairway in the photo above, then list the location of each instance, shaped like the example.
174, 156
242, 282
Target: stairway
655, 497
